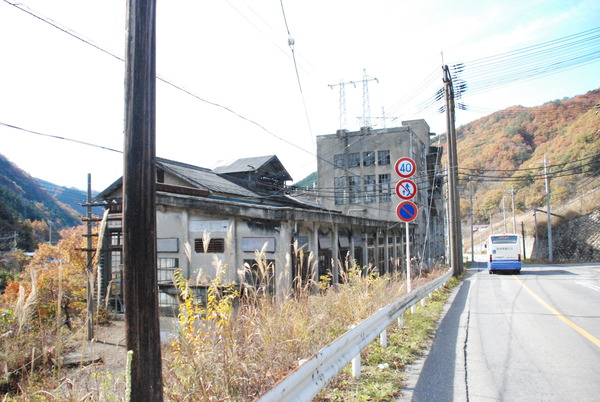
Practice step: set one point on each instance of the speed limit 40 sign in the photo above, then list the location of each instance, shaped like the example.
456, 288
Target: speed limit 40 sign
405, 167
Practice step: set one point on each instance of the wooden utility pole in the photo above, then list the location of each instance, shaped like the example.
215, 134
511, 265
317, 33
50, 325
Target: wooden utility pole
547, 182
523, 238
456, 256
471, 215
139, 205
89, 270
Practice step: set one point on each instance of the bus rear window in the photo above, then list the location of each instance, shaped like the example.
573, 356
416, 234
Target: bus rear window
504, 239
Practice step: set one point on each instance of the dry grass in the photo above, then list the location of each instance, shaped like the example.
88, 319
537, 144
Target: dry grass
265, 338
232, 347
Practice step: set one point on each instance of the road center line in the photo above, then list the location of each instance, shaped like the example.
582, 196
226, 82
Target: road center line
570, 323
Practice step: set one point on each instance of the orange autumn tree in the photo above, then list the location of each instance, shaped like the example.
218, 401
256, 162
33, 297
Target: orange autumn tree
55, 268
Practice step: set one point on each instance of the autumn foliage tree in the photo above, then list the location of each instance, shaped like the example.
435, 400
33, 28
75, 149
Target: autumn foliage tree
30, 324
59, 267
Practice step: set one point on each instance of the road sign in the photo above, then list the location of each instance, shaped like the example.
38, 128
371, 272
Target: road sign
405, 167
406, 189
407, 211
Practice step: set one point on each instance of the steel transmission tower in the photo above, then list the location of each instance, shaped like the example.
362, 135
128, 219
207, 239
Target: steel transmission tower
366, 120
342, 89
366, 117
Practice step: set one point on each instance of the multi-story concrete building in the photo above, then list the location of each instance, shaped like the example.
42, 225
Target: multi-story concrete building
213, 223
356, 176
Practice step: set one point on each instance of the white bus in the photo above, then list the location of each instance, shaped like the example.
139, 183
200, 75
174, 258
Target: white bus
505, 253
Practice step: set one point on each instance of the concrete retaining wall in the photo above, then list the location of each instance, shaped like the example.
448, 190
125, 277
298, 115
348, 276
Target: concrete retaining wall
577, 240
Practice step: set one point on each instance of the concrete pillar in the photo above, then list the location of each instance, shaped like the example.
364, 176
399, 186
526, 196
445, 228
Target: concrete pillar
314, 249
365, 250
376, 252
283, 267
186, 262
335, 255
386, 251
352, 256
395, 251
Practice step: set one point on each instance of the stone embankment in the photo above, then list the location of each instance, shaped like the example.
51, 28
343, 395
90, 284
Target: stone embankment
574, 240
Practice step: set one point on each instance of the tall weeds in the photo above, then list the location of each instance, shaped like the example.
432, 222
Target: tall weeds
238, 345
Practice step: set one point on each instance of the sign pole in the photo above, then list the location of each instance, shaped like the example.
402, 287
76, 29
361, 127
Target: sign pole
406, 211
408, 287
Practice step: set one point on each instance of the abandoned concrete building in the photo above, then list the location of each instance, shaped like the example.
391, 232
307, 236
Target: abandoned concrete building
356, 177
215, 222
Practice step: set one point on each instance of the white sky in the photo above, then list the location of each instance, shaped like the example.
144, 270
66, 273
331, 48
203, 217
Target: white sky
235, 53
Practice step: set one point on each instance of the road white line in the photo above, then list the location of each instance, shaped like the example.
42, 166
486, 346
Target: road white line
589, 285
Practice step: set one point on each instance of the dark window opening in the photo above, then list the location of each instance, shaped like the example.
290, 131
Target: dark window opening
214, 246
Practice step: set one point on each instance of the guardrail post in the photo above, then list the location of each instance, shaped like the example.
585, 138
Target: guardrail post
356, 366
383, 338
423, 302
401, 321
413, 309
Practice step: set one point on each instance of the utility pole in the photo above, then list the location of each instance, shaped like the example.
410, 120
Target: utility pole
512, 195
90, 277
523, 238
142, 326
454, 200
471, 213
504, 214
537, 240
547, 181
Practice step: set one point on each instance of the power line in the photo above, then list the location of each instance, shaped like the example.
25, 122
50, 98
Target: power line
291, 43
524, 64
594, 156
60, 138
158, 77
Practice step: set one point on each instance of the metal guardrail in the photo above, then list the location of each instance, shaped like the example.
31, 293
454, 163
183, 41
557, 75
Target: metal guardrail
307, 380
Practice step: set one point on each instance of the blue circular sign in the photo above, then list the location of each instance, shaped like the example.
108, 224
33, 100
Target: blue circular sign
407, 211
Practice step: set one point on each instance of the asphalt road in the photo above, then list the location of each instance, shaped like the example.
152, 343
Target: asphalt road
528, 337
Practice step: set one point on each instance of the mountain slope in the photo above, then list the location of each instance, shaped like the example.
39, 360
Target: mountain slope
504, 152
22, 201
70, 197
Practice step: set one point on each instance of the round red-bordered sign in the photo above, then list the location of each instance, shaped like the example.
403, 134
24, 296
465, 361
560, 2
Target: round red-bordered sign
407, 211
405, 167
406, 189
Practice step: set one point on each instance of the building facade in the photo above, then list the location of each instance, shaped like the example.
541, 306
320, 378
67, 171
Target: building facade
356, 176
240, 222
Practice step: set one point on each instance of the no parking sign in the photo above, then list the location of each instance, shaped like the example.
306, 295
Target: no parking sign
407, 211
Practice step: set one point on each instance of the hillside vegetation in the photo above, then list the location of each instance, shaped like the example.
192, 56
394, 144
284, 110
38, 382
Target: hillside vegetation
26, 208
505, 151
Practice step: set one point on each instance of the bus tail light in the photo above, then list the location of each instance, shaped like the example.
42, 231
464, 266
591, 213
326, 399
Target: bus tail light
519, 257
490, 258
